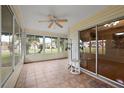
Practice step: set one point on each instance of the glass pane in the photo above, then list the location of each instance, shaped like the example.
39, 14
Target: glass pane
34, 44
111, 50
61, 44
17, 43
30, 44
54, 45
21, 56
6, 40
88, 49
39, 43
47, 45
66, 44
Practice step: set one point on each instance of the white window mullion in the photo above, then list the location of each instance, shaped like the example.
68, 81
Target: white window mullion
0, 45
96, 50
44, 44
58, 44
13, 39
51, 45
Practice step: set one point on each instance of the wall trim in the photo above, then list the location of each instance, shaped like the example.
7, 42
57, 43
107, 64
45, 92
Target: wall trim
45, 60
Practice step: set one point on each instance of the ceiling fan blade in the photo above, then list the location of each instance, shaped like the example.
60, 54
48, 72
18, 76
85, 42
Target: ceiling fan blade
50, 17
50, 25
59, 24
62, 20
43, 21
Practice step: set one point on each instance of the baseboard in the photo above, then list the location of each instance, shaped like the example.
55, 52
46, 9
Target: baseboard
45, 60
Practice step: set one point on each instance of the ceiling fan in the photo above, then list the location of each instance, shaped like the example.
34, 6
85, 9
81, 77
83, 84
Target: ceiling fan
54, 20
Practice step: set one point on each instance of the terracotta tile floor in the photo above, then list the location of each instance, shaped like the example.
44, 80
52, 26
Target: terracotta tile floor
54, 74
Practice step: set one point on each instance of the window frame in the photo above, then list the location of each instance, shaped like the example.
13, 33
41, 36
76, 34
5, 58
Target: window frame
2, 82
44, 44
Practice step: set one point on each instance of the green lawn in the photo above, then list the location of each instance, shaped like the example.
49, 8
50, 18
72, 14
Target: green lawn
5, 71
47, 50
6, 58
31, 51
93, 50
55, 50
6, 68
61, 49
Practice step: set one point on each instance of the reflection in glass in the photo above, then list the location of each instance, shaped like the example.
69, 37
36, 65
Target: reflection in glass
111, 51
17, 43
6, 43
88, 49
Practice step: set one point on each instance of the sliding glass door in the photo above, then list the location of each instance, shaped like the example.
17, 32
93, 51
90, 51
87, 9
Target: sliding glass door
88, 49
6, 43
111, 50
10, 45
109, 60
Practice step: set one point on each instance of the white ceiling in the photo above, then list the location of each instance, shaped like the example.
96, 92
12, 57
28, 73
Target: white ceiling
74, 13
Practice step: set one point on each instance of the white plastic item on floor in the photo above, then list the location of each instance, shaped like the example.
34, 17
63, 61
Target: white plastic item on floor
74, 67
